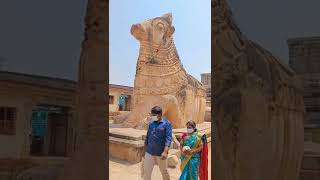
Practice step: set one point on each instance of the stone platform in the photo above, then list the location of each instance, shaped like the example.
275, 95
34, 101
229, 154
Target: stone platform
128, 144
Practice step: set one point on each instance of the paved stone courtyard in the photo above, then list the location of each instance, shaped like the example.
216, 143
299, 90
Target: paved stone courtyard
119, 170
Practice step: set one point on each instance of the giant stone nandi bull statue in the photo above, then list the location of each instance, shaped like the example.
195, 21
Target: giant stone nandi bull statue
161, 79
259, 110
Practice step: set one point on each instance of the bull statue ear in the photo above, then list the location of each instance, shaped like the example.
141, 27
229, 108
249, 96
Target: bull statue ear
170, 31
168, 18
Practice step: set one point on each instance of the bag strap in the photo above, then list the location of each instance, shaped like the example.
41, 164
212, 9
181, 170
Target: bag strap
183, 136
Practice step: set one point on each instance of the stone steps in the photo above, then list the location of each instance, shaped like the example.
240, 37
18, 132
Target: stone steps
127, 142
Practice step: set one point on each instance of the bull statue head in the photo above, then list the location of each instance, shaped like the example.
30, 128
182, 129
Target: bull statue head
157, 31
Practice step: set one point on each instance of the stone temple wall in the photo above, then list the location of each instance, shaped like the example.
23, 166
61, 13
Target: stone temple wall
304, 59
258, 107
206, 81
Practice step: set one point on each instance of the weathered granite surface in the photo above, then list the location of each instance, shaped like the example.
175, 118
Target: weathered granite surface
208, 116
126, 149
161, 78
258, 107
89, 160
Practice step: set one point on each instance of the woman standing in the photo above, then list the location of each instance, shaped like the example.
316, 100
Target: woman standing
194, 158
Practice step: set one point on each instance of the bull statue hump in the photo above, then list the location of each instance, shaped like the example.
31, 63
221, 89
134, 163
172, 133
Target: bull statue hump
161, 79
259, 110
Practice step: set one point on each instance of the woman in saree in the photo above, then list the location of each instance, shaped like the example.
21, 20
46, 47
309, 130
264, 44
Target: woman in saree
194, 154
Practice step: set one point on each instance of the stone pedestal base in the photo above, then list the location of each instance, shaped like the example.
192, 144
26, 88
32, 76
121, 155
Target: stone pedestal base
127, 150
128, 144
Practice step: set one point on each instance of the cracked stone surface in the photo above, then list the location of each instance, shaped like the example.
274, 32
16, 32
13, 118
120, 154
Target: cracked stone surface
258, 107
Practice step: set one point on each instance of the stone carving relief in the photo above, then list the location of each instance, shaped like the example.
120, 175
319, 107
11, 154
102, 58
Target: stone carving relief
160, 73
259, 109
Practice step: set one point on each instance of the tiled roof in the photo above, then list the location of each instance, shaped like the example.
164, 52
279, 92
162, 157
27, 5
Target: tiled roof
38, 80
50, 82
120, 87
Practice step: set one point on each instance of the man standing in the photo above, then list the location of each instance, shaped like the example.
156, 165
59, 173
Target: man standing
157, 143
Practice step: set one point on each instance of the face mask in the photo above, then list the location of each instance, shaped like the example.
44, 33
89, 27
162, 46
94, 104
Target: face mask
154, 118
189, 130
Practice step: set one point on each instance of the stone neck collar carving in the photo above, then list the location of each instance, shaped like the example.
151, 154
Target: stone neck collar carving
158, 55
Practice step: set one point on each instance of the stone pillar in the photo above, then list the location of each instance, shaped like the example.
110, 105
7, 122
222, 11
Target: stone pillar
27, 108
70, 131
116, 101
90, 157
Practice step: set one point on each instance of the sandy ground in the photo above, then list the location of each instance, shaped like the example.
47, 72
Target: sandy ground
120, 170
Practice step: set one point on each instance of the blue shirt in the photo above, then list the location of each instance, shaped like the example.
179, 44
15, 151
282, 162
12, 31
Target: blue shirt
159, 136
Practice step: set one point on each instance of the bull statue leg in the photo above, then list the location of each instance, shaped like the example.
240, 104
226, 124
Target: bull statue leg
170, 110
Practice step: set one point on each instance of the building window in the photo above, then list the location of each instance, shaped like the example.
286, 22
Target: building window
8, 116
111, 99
